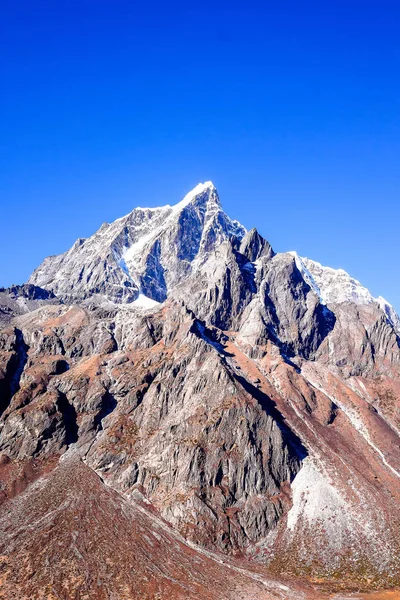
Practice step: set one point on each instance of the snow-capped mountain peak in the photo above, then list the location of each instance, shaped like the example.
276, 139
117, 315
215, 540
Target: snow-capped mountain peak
146, 252
201, 188
144, 255
336, 286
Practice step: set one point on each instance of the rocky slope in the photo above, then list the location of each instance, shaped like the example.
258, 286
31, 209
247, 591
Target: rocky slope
246, 402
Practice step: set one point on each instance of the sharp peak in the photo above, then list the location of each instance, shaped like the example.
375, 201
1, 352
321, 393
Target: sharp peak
200, 188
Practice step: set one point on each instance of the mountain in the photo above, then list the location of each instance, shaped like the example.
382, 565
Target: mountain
216, 419
144, 253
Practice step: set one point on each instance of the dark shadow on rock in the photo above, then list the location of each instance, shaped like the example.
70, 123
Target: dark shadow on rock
213, 337
11, 382
109, 404
69, 418
152, 281
269, 406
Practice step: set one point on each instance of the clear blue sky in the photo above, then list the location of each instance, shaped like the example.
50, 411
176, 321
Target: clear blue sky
291, 108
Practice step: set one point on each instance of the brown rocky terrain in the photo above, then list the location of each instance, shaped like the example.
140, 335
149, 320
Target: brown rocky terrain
216, 429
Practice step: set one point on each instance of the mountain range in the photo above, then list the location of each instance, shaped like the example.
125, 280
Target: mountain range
186, 414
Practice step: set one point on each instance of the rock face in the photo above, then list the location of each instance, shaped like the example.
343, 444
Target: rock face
18, 299
188, 384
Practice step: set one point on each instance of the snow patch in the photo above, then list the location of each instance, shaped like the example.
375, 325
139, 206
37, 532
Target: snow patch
123, 266
314, 497
145, 302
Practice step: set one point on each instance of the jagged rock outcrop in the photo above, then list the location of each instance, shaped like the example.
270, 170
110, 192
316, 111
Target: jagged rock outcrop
253, 246
248, 399
285, 310
19, 299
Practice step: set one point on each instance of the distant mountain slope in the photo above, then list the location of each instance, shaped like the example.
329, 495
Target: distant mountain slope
335, 286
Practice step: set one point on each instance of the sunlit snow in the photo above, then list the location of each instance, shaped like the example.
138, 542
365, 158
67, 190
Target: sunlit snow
145, 302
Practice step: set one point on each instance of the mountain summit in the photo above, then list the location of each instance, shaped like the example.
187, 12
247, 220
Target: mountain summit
144, 253
177, 397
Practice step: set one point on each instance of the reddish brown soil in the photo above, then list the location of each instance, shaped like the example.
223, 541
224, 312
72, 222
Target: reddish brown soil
69, 536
